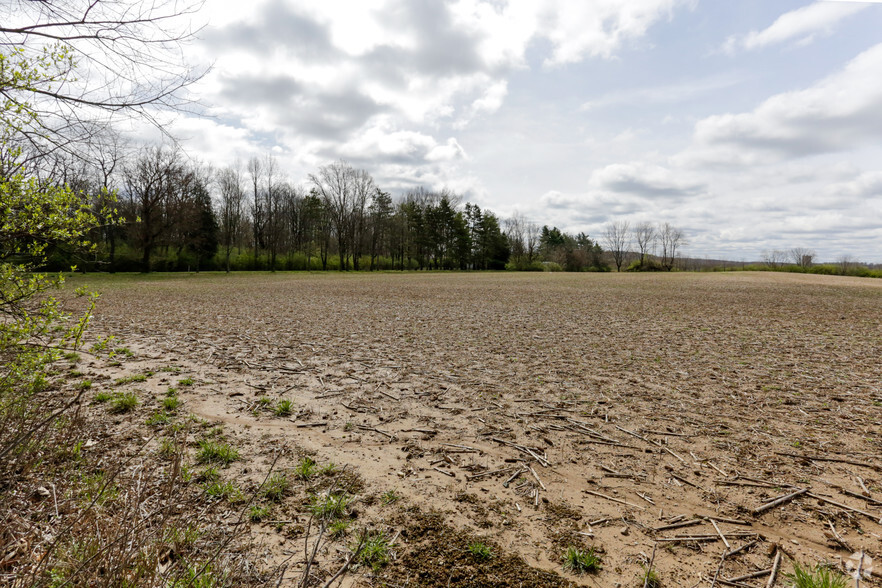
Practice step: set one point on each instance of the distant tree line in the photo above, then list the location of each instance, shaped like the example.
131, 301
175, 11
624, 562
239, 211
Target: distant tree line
183, 215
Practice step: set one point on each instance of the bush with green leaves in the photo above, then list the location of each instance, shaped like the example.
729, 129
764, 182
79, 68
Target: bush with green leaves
35, 331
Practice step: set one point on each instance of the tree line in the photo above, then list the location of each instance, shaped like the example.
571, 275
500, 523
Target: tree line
176, 214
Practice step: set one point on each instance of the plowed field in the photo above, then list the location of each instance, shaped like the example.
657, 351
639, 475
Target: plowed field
649, 417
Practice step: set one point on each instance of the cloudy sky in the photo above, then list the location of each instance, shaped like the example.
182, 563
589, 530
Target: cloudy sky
751, 124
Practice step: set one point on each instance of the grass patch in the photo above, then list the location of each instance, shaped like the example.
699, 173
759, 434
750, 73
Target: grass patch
820, 577
158, 418
649, 578
186, 382
102, 397
276, 487
122, 403
306, 468
283, 408
212, 452
374, 550
329, 507
171, 403
224, 490
581, 562
338, 528
258, 513
124, 351
130, 379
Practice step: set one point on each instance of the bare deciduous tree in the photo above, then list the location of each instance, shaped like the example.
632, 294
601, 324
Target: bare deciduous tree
846, 264
152, 188
671, 239
93, 61
514, 231
617, 238
645, 234
363, 189
333, 184
232, 208
774, 257
802, 256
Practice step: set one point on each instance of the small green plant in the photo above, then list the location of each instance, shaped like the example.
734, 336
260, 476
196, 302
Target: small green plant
172, 369
649, 578
283, 408
481, 551
172, 391
96, 488
124, 403
348, 426
374, 550
225, 490
186, 382
212, 452
199, 575
329, 469
209, 474
130, 379
72, 357
580, 562
103, 396
124, 351
338, 528
101, 344
158, 418
167, 447
183, 536
820, 577
264, 402
171, 403
257, 513
389, 497
198, 420
329, 506
305, 469
276, 487
84, 385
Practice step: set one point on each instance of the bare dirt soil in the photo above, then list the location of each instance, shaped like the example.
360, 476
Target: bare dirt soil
648, 417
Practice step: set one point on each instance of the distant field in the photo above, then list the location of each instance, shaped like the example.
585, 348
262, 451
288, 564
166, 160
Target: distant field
646, 400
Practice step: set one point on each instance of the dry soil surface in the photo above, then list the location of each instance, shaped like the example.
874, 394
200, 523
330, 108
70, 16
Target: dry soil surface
649, 417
